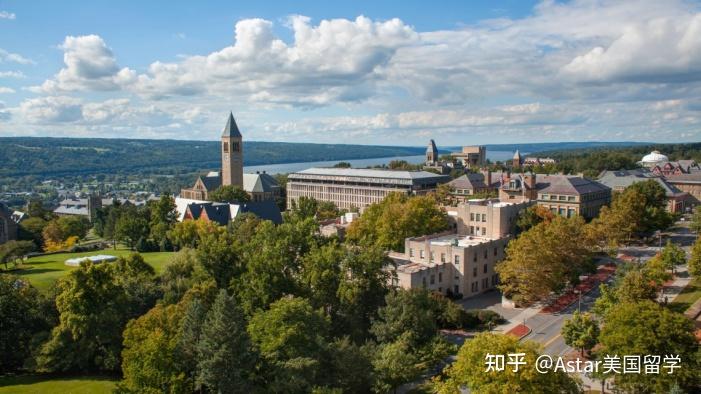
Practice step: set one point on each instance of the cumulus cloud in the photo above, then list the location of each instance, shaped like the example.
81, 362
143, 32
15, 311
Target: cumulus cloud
9, 57
7, 15
4, 89
11, 74
89, 65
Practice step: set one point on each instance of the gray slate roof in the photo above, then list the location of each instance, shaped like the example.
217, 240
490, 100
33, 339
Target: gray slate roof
564, 184
402, 177
231, 129
259, 183
624, 178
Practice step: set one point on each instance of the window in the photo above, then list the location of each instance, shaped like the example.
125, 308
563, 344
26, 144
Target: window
457, 289
421, 254
562, 212
543, 196
474, 257
553, 197
235, 147
423, 281
563, 198
571, 212
484, 217
430, 256
495, 251
570, 198
225, 146
484, 268
433, 279
411, 252
457, 259
474, 272
472, 216
442, 257
440, 277
485, 253
484, 231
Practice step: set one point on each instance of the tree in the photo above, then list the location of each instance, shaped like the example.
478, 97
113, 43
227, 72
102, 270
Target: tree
606, 300
351, 366
185, 234
397, 217
655, 270
695, 260
544, 259
646, 328
217, 256
695, 224
635, 286
20, 319
581, 331
395, 363
35, 209
469, 369
226, 360
291, 337
130, 228
229, 193
672, 256
532, 216
11, 251
31, 229
407, 314
151, 362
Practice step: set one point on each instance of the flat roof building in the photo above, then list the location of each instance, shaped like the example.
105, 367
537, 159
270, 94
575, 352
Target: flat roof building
357, 188
450, 264
487, 217
471, 156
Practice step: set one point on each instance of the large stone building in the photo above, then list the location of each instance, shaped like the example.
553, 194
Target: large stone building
677, 200
259, 186
357, 188
223, 213
565, 195
449, 264
87, 207
8, 224
489, 218
466, 186
688, 183
471, 156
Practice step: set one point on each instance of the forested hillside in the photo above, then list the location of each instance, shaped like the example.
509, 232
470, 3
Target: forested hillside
22, 156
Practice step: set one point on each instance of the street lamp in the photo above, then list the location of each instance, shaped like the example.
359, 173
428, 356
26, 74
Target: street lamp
579, 305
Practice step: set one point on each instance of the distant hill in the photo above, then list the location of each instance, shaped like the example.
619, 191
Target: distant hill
21, 156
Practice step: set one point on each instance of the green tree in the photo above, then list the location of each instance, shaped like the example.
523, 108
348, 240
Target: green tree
407, 314
217, 256
581, 331
20, 319
291, 337
635, 286
31, 229
130, 228
226, 361
672, 256
469, 369
695, 224
35, 209
655, 270
544, 260
11, 251
151, 361
606, 300
351, 366
397, 217
395, 364
532, 216
229, 193
645, 328
695, 260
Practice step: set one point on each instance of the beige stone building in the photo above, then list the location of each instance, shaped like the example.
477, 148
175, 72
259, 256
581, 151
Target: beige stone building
471, 156
259, 186
357, 188
487, 217
449, 264
565, 195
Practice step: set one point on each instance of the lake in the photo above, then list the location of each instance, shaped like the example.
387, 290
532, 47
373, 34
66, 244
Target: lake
357, 163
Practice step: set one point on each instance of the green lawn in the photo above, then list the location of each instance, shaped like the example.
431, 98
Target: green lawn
69, 385
688, 296
43, 271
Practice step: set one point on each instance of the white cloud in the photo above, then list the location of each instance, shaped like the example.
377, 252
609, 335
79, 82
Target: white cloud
89, 65
51, 109
8, 57
4, 89
11, 74
7, 15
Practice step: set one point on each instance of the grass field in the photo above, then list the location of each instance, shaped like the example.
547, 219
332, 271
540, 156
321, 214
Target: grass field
68, 385
43, 271
688, 296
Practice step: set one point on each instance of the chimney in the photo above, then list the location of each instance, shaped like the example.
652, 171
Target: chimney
487, 177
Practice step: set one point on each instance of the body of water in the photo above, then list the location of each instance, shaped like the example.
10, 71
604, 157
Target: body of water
356, 163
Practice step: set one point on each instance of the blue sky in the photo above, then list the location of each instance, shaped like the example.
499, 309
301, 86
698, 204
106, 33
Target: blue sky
394, 73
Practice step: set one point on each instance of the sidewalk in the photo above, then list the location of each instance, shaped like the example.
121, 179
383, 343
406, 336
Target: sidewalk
517, 320
672, 289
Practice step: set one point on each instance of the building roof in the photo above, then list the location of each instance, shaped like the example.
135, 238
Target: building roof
654, 157
624, 178
231, 129
517, 155
692, 177
259, 183
212, 181
6, 211
432, 147
565, 184
373, 175
469, 181
266, 210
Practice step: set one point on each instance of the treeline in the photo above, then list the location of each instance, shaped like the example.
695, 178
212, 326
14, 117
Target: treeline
592, 161
72, 156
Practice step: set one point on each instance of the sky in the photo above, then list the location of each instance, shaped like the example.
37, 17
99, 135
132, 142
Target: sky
362, 72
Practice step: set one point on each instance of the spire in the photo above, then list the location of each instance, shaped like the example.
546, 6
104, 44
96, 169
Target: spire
231, 129
517, 155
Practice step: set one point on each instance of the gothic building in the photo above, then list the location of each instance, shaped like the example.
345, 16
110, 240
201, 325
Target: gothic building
259, 186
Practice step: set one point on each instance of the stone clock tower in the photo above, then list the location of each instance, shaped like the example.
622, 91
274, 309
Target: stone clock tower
231, 154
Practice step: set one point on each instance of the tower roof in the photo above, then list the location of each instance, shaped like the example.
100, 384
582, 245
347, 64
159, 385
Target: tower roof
231, 129
517, 155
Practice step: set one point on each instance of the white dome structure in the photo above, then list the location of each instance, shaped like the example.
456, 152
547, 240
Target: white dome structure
654, 158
